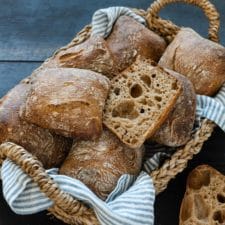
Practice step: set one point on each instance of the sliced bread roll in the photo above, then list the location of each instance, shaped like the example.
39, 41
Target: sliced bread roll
204, 199
139, 101
177, 128
100, 163
67, 101
197, 58
49, 148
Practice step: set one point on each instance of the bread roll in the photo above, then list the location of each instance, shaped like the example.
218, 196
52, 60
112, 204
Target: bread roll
201, 60
115, 53
100, 163
93, 54
204, 199
130, 39
49, 148
177, 128
139, 101
67, 101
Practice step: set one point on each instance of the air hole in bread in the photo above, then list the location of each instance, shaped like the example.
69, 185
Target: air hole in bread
125, 109
143, 101
201, 209
146, 79
154, 75
142, 111
158, 91
136, 91
158, 98
117, 91
219, 216
221, 198
150, 103
199, 179
134, 140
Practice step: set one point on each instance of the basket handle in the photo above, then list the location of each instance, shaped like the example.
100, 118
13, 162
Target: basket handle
72, 210
168, 30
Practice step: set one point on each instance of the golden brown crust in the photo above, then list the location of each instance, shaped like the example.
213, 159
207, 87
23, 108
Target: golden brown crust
100, 163
177, 128
201, 60
93, 54
204, 199
67, 101
49, 148
133, 39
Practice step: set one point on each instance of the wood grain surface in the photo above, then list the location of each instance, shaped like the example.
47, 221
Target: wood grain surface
30, 31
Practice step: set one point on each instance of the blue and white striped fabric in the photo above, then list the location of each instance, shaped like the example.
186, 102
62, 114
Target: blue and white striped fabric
131, 202
212, 108
103, 19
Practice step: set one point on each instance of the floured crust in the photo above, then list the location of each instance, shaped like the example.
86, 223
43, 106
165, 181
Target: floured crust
176, 130
129, 39
93, 54
49, 148
201, 60
67, 101
204, 199
139, 101
100, 163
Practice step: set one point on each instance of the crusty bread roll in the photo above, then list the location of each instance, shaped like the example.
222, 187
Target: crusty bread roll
177, 128
49, 148
129, 39
67, 101
115, 53
201, 60
139, 101
100, 163
93, 54
204, 199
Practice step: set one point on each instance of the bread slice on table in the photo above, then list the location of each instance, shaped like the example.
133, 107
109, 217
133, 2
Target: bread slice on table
139, 101
93, 54
199, 59
130, 38
204, 199
67, 101
176, 130
49, 148
100, 163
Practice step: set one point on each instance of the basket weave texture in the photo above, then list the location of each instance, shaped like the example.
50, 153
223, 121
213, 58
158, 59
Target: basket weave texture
70, 210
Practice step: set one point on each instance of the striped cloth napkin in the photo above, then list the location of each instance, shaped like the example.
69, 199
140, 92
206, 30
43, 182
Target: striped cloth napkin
132, 201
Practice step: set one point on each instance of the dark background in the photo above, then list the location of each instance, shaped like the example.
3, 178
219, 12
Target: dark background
30, 31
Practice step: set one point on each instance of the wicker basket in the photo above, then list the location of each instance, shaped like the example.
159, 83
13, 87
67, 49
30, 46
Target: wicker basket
65, 206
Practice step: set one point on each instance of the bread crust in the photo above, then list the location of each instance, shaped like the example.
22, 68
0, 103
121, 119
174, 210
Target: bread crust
204, 199
176, 130
49, 148
100, 163
199, 59
93, 54
67, 101
127, 42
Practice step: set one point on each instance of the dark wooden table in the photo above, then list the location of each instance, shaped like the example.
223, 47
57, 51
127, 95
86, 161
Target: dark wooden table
30, 31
